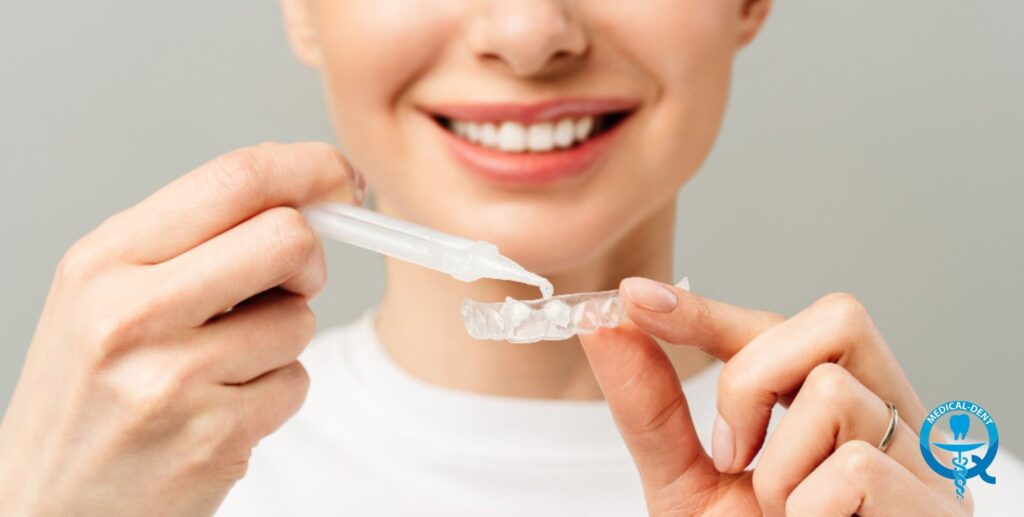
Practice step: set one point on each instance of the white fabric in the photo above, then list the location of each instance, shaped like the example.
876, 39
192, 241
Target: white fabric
372, 440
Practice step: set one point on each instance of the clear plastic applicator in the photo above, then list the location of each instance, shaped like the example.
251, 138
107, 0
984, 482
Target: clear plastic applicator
464, 259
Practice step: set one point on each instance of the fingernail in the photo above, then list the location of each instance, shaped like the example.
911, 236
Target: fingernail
684, 284
358, 186
651, 295
723, 444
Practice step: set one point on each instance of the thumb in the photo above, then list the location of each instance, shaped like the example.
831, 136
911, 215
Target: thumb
677, 316
648, 405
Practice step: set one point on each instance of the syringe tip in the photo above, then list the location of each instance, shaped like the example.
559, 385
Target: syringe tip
503, 268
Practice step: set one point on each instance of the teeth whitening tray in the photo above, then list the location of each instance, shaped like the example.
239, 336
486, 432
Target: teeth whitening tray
549, 318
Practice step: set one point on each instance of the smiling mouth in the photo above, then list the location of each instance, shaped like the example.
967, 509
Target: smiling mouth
532, 144
532, 128
512, 136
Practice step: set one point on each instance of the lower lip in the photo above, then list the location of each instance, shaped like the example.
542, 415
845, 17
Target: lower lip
528, 168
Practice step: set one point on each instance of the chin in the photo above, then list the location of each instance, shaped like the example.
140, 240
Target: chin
552, 254
547, 243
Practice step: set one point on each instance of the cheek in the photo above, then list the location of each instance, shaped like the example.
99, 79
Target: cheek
687, 47
372, 52
380, 46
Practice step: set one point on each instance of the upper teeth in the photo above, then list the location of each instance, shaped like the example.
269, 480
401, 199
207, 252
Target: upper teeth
517, 137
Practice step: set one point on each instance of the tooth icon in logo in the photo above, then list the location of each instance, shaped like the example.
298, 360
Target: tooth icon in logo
959, 424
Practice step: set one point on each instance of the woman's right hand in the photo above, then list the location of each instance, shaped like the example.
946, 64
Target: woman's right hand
142, 393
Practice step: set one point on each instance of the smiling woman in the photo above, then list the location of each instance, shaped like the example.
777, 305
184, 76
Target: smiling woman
397, 75
532, 144
559, 130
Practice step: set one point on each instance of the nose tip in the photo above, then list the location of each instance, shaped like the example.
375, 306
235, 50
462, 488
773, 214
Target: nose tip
528, 36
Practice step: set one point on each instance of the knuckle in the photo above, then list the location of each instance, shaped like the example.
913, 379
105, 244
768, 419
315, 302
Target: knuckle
845, 309
829, 384
233, 471
326, 151
306, 321
332, 155
292, 235
94, 251
150, 406
297, 385
320, 270
127, 327
296, 378
858, 460
292, 386
731, 382
219, 448
658, 421
114, 333
300, 379
81, 262
301, 319
240, 173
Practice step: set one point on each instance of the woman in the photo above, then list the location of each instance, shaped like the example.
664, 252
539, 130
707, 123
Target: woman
559, 130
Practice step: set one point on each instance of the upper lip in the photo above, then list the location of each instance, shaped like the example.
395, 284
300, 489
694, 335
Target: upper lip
528, 113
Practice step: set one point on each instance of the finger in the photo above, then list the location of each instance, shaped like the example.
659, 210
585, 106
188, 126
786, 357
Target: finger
263, 334
859, 479
227, 191
835, 329
832, 408
275, 248
678, 316
312, 278
648, 405
271, 399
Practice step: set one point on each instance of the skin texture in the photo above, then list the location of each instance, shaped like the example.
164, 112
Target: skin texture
828, 363
140, 394
138, 382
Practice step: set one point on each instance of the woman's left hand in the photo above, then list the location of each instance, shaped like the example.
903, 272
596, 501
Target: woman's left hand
828, 363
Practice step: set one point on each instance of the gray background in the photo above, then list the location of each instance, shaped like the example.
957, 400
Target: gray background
872, 147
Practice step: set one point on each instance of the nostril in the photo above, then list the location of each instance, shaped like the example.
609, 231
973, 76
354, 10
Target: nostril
561, 55
529, 38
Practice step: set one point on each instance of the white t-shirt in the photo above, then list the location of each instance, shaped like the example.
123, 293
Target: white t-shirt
372, 440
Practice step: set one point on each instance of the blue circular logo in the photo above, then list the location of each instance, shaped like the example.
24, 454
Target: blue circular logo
956, 417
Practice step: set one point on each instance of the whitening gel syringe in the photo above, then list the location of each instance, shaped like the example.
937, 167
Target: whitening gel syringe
463, 259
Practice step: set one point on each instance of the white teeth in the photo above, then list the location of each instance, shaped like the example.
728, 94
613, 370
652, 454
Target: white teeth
583, 127
489, 135
540, 137
473, 131
510, 136
564, 133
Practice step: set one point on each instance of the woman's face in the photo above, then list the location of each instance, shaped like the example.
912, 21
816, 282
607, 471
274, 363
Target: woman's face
551, 128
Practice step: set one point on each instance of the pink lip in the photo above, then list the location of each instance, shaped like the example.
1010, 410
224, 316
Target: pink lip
530, 113
526, 168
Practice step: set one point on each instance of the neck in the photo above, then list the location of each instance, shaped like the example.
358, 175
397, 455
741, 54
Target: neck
420, 325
